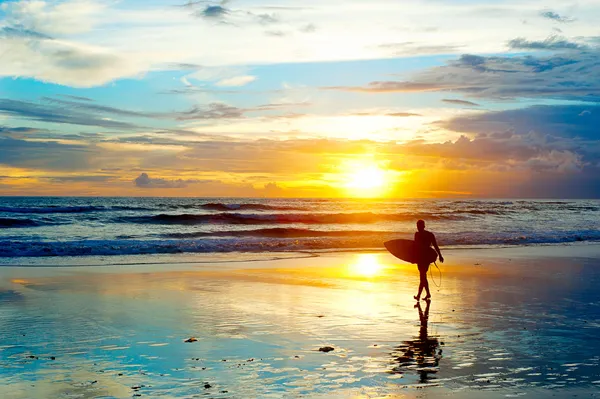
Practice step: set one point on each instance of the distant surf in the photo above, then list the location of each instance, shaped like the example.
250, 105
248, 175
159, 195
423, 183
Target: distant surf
66, 226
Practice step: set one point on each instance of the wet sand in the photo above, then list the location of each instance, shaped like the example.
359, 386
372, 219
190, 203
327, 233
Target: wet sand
504, 323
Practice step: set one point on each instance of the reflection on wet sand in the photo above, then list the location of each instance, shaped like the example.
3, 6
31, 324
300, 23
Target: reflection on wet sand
100, 332
420, 354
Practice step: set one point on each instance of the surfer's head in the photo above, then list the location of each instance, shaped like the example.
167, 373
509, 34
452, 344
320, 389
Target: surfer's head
420, 225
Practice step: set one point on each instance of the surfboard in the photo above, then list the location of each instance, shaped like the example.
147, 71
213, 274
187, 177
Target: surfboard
405, 250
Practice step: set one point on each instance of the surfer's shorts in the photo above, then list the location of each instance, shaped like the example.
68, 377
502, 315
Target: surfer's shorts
424, 267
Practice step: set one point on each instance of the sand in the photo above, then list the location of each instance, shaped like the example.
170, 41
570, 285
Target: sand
504, 323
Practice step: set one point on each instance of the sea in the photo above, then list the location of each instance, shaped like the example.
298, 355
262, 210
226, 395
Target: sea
58, 227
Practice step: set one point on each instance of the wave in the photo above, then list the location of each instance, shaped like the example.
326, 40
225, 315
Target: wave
479, 212
268, 244
283, 218
69, 209
52, 209
282, 232
16, 223
218, 206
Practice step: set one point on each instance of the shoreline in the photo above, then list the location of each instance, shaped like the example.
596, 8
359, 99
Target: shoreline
592, 248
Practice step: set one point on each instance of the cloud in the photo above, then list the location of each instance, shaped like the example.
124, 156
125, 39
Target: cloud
76, 98
67, 17
460, 102
213, 111
92, 114
569, 121
77, 179
555, 17
268, 19
308, 28
51, 114
19, 31
395, 114
275, 33
145, 181
44, 155
391, 87
413, 48
559, 161
236, 81
214, 12
63, 62
101, 109
550, 43
568, 76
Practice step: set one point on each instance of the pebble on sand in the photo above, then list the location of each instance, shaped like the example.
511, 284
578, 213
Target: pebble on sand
326, 349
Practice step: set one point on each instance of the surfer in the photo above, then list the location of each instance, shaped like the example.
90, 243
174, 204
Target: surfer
423, 240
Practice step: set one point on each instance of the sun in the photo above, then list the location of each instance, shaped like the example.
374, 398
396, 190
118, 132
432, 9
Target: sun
364, 178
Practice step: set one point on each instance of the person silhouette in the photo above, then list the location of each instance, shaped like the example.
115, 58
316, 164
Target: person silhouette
423, 240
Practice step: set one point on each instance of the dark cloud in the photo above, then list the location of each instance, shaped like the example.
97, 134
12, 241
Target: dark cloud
214, 12
574, 75
44, 155
213, 111
551, 43
102, 109
555, 16
47, 135
460, 102
559, 143
92, 114
569, 121
145, 181
16, 132
45, 113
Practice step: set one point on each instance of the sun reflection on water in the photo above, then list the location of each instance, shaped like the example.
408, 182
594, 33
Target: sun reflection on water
366, 265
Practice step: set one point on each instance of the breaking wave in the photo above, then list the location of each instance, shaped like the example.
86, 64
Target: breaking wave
272, 241
218, 206
282, 218
281, 232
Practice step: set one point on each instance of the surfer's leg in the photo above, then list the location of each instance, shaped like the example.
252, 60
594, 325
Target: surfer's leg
424, 281
420, 284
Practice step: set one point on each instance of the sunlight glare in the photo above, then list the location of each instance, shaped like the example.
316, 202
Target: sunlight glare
366, 265
364, 178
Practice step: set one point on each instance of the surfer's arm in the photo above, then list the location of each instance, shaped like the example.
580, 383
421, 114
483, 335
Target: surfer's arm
437, 249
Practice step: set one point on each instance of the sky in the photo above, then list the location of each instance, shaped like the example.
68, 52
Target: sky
281, 98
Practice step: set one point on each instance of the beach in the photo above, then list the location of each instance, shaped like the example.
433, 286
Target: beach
505, 322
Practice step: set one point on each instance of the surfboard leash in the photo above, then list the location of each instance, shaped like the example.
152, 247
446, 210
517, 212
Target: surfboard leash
431, 274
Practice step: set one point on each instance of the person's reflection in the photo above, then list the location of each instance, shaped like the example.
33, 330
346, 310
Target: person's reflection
419, 354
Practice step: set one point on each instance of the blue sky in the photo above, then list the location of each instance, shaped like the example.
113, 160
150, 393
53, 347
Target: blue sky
255, 98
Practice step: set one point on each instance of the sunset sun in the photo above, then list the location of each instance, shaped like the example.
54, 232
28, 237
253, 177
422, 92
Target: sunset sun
365, 178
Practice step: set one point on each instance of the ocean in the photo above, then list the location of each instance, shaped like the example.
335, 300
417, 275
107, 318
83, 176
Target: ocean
77, 226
